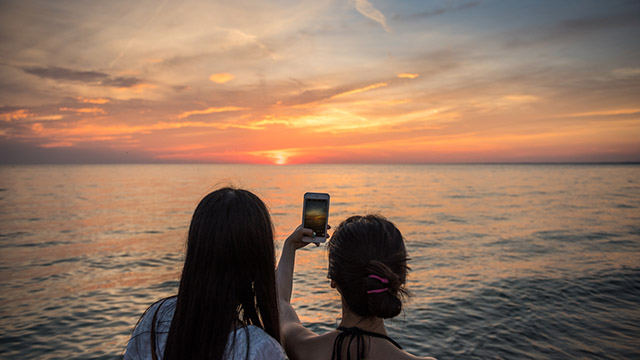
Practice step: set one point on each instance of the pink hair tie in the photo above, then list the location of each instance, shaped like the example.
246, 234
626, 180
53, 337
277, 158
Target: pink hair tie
377, 291
382, 280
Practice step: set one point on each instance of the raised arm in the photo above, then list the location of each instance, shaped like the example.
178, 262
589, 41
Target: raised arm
292, 330
284, 272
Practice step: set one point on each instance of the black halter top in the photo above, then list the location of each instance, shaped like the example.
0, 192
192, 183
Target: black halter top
358, 335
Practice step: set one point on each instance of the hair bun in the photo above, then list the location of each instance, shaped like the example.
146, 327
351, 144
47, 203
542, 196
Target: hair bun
368, 262
383, 288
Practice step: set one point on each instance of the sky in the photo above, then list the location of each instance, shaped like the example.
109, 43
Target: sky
319, 81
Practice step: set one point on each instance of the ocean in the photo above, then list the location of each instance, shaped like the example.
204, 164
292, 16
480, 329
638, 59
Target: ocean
508, 261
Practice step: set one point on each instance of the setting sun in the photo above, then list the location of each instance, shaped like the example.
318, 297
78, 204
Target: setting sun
281, 160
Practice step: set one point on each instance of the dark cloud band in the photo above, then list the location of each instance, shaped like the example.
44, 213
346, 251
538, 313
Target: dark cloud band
88, 77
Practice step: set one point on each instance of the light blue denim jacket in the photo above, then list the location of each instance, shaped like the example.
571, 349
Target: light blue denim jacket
261, 345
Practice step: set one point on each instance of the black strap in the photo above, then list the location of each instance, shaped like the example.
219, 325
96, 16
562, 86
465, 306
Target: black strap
358, 335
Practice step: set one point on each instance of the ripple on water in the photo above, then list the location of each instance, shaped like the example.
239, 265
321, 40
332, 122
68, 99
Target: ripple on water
625, 206
167, 285
14, 235
535, 318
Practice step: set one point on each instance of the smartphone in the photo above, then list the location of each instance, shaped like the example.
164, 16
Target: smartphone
315, 216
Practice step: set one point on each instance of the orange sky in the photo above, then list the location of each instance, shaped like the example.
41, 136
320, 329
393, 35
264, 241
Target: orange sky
284, 82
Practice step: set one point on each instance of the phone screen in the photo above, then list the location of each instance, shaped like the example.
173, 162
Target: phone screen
315, 215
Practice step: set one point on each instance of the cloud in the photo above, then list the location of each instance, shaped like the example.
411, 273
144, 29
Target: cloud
359, 90
367, 9
122, 82
626, 73
608, 112
179, 88
47, 117
440, 11
27, 115
14, 115
57, 144
210, 110
221, 78
333, 120
59, 73
121, 54
408, 76
311, 96
238, 37
87, 77
99, 101
317, 95
85, 131
54, 152
94, 110
521, 98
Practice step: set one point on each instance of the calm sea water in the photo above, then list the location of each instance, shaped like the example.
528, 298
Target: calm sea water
508, 261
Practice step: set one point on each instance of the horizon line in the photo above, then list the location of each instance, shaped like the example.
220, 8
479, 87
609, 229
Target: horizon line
330, 163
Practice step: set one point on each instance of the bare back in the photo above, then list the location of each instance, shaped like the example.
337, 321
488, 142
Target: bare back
304, 344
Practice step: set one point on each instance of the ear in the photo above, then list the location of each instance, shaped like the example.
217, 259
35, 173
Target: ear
334, 285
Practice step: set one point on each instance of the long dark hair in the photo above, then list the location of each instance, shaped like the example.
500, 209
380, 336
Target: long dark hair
368, 262
228, 279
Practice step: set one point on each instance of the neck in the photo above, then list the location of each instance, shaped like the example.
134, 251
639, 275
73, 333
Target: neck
372, 324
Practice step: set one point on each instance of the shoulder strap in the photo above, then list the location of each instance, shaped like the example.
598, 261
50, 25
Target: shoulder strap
358, 334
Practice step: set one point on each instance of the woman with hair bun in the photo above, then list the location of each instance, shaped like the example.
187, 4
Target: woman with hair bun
368, 267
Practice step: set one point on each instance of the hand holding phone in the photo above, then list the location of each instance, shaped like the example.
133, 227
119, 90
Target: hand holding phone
315, 216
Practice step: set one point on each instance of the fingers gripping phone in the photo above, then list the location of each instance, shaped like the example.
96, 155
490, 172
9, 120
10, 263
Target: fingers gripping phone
315, 216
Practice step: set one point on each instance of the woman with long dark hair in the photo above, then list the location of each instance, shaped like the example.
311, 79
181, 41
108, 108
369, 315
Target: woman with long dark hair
368, 267
226, 307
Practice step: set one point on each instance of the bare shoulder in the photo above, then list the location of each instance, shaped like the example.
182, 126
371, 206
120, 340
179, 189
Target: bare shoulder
302, 343
382, 349
403, 355
412, 357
